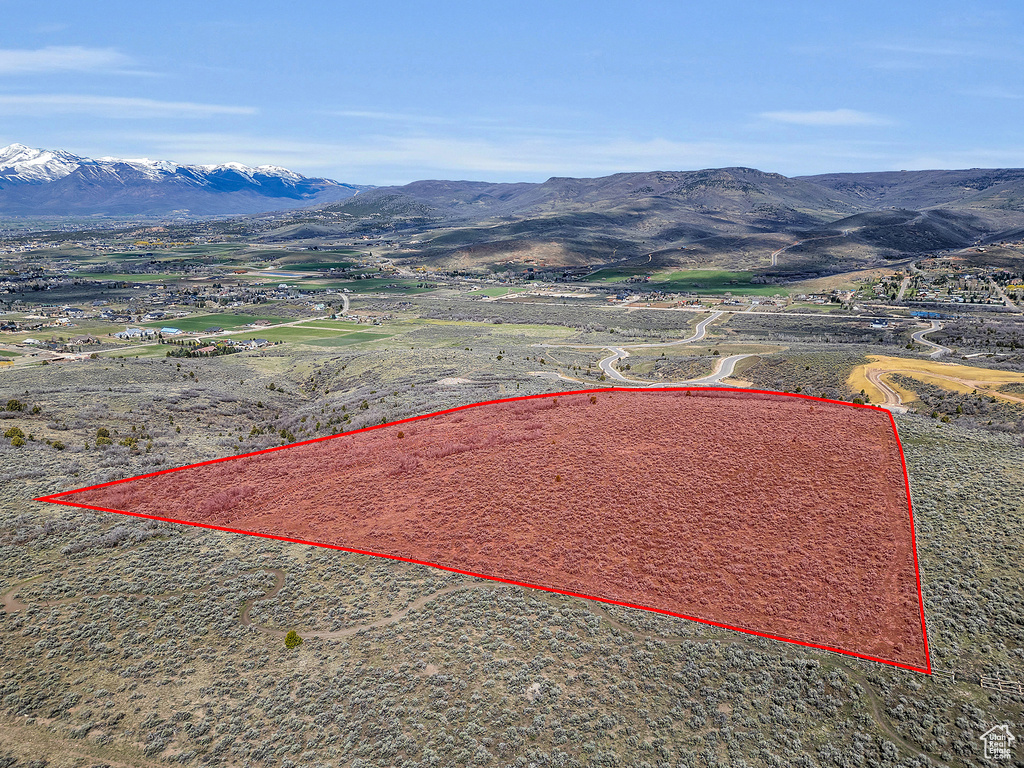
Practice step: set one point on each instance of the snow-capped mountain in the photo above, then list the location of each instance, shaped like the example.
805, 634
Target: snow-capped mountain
55, 182
21, 163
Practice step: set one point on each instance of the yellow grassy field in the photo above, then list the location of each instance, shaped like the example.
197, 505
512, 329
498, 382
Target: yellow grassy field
951, 376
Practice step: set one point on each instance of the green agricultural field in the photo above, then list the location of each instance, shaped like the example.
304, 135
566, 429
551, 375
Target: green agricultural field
9, 353
202, 322
104, 276
497, 291
210, 249
290, 333
713, 281
617, 274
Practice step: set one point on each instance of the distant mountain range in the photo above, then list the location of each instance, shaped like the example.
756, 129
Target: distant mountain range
36, 182
725, 216
721, 217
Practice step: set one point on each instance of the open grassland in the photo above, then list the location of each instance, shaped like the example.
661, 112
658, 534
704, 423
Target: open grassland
348, 339
295, 333
225, 320
129, 643
845, 281
509, 291
136, 350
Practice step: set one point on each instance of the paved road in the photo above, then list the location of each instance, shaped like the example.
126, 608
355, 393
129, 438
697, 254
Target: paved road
1002, 294
918, 336
903, 287
723, 370
607, 365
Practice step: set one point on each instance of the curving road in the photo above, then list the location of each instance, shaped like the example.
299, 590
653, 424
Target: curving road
940, 350
723, 369
998, 290
607, 364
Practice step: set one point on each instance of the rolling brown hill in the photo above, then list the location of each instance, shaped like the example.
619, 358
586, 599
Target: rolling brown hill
726, 217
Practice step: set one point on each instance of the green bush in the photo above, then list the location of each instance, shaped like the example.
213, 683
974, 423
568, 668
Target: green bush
17, 442
292, 639
14, 432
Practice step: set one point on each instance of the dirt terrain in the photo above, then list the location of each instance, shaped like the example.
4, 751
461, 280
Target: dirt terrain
768, 513
873, 376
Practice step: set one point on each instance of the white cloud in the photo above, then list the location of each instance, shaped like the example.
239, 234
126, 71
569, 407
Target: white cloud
63, 59
397, 156
400, 159
392, 117
943, 49
122, 107
829, 118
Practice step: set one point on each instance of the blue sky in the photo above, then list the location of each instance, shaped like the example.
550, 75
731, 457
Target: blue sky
388, 92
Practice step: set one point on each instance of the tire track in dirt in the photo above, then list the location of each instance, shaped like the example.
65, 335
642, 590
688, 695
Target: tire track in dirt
10, 603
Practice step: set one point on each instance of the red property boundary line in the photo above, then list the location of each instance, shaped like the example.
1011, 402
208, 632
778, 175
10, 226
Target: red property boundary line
58, 498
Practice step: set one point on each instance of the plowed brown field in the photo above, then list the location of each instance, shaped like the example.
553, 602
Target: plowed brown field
767, 513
